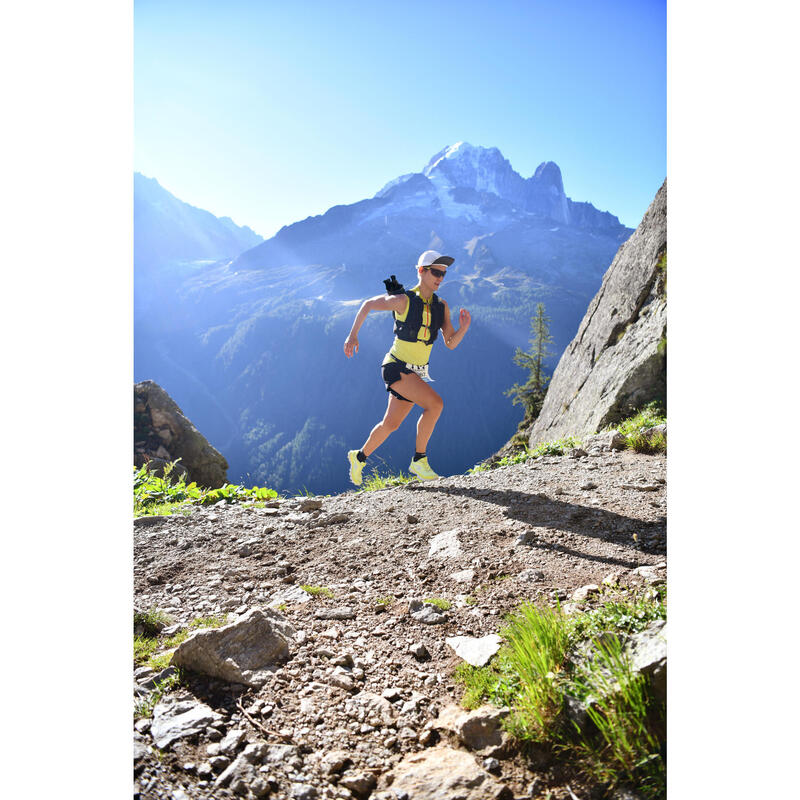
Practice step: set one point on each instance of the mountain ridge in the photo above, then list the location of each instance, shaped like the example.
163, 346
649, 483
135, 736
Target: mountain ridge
258, 335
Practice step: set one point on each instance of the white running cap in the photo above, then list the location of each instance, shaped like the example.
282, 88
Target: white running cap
431, 257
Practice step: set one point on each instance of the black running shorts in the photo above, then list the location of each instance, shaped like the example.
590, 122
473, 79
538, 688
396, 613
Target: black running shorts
391, 374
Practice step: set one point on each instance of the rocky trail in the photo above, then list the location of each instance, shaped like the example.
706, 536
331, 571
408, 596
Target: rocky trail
362, 702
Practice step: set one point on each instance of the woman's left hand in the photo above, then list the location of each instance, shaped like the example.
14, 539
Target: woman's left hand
464, 318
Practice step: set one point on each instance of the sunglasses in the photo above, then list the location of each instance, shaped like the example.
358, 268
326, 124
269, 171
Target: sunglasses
437, 273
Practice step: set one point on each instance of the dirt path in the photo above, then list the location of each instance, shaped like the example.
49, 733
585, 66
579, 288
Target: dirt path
535, 531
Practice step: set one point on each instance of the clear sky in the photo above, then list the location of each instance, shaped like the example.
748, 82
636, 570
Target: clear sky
270, 112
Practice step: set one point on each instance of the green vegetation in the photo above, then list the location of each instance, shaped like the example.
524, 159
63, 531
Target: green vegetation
151, 621
153, 494
555, 448
530, 395
144, 708
470, 600
439, 602
317, 591
385, 601
149, 643
374, 481
537, 672
647, 417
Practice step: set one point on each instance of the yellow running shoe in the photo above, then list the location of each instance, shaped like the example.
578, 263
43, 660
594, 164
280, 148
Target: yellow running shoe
422, 469
355, 467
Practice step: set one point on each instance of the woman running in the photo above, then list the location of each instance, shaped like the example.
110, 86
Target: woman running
418, 316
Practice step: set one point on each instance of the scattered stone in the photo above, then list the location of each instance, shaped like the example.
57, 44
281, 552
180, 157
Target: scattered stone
231, 743
427, 613
445, 545
335, 761
302, 791
310, 504
477, 652
240, 652
530, 576
292, 596
576, 452
419, 651
479, 730
412, 520
585, 591
588, 486
466, 576
359, 783
441, 773
345, 612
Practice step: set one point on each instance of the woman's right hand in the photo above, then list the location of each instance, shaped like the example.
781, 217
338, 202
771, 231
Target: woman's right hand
351, 345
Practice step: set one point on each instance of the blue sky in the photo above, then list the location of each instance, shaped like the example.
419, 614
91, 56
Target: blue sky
269, 112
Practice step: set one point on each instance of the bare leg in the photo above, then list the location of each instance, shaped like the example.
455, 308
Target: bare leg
396, 412
415, 389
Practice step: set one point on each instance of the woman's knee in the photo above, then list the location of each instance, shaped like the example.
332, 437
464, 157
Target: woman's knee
435, 404
390, 424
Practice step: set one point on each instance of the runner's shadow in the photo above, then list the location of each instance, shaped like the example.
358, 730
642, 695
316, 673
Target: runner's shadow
539, 510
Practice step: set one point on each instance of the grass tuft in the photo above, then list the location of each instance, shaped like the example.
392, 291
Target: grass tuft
317, 591
439, 602
374, 481
536, 672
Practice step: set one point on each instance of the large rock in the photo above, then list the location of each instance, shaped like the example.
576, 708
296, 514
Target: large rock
242, 652
617, 360
480, 730
161, 433
179, 719
442, 773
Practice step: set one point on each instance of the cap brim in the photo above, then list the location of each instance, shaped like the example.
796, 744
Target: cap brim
445, 261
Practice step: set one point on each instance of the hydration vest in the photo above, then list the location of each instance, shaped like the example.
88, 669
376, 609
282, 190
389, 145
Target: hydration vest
408, 330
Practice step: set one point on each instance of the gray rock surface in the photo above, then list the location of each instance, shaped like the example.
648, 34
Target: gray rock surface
616, 360
161, 431
240, 652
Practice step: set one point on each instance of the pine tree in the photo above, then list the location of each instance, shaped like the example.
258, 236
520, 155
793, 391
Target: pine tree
530, 394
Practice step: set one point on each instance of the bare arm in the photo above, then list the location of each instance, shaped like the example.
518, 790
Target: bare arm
381, 302
453, 337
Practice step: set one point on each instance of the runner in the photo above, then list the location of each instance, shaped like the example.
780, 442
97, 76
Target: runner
418, 315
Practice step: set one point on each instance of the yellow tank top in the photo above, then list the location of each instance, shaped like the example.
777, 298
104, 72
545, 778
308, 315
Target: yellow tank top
413, 352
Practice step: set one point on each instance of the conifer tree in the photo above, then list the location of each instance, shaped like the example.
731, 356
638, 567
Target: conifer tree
530, 394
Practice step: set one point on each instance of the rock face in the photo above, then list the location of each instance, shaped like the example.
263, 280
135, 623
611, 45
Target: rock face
617, 360
161, 433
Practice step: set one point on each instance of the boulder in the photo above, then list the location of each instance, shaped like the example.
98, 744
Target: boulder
617, 360
244, 651
162, 433
442, 773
